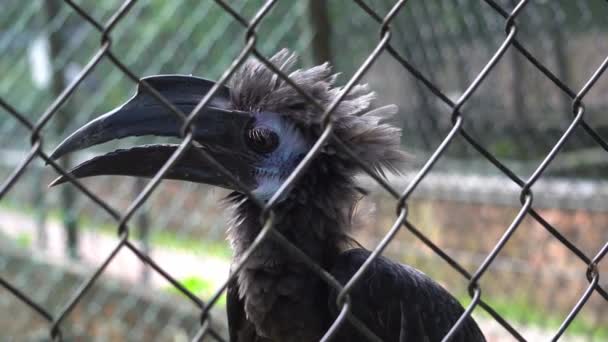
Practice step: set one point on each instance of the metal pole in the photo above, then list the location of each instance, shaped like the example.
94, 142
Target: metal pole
143, 225
40, 208
67, 194
319, 21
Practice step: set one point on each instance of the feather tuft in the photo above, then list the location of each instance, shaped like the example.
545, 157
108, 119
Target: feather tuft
366, 130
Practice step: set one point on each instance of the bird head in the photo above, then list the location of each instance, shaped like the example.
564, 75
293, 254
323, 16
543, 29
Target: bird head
259, 128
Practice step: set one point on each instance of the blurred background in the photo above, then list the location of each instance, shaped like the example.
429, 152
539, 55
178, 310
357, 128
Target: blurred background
51, 239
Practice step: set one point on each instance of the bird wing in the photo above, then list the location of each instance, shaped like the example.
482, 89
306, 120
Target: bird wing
397, 302
234, 311
239, 328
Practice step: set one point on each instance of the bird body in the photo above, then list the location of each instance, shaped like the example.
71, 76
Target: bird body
277, 297
260, 128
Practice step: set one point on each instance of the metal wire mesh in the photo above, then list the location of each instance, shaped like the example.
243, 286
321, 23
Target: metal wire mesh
250, 48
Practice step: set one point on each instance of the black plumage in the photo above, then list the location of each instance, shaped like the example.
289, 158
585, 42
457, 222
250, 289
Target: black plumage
259, 128
276, 297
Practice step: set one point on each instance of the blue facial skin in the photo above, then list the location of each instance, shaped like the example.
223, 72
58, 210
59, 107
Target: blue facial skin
274, 167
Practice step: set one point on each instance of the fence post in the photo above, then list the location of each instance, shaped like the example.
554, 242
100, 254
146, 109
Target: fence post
143, 230
40, 208
319, 21
518, 99
561, 60
67, 195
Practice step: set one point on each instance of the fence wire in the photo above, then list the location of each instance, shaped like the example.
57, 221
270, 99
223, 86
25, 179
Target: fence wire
384, 45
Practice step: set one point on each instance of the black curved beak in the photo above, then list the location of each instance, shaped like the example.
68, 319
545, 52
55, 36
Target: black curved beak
217, 130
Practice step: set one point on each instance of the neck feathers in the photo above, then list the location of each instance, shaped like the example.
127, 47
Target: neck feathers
316, 216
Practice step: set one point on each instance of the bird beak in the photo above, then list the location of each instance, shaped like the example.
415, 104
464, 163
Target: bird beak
217, 130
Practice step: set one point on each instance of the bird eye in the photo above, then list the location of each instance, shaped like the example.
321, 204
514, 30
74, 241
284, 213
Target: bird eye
297, 106
262, 139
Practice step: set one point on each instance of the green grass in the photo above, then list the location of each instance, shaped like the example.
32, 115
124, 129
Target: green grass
521, 311
24, 240
202, 287
158, 237
15, 207
169, 239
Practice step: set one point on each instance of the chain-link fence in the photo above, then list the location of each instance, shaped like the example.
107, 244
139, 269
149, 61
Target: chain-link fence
486, 96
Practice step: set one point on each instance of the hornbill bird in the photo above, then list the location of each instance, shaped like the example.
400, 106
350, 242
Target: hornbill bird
260, 128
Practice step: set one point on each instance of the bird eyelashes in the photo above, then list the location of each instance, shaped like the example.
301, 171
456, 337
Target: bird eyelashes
262, 139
